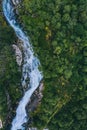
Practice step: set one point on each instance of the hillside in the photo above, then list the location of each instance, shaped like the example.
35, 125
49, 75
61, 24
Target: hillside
58, 31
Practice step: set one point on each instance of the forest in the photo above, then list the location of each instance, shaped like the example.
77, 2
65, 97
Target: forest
58, 32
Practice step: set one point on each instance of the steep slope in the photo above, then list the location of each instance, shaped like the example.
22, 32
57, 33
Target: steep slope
58, 31
10, 91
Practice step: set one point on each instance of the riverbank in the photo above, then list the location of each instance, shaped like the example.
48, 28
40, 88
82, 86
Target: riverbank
14, 92
31, 76
58, 33
10, 91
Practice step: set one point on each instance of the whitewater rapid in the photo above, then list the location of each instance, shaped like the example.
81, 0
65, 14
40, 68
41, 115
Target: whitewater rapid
30, 69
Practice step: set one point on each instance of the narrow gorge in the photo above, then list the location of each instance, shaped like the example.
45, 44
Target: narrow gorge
51, 95
31, 76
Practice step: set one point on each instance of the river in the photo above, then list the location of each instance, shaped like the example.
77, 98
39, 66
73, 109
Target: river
29, 70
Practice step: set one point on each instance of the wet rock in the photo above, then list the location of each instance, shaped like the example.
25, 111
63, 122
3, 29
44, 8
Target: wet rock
35, 98
16, 2
33, 104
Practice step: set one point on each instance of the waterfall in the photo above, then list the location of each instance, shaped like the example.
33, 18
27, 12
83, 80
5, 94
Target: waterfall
29, 70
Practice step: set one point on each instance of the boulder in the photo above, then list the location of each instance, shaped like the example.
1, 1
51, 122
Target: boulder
35, 99
18, 54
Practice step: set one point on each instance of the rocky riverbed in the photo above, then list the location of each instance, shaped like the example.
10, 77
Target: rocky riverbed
37, 95
35, 99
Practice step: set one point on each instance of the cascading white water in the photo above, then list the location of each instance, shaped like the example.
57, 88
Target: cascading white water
30, 67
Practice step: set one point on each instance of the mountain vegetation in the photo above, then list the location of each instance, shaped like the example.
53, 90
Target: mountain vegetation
58, 32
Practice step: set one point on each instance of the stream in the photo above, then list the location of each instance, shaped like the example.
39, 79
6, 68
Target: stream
30, 66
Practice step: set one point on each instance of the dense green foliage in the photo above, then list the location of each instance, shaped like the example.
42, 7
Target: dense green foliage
73, 116
58, 31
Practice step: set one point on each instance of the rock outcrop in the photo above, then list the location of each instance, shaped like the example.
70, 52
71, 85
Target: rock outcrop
36, 98
1, 126
16, 2
18, 54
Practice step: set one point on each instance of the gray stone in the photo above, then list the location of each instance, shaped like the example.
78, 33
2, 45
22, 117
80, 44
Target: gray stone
32, 128
16, 2
1, 124
18, 54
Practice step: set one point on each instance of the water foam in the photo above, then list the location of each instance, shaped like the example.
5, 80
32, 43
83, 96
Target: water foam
30, 67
